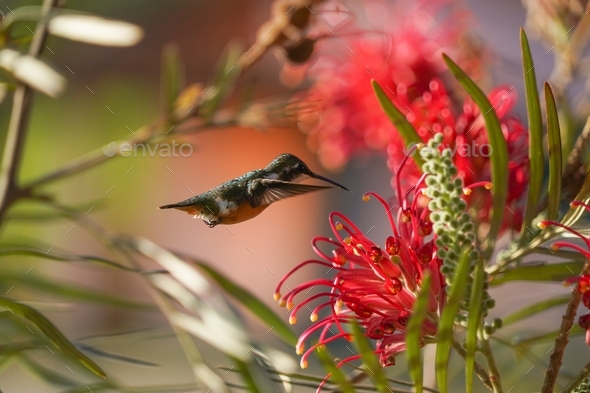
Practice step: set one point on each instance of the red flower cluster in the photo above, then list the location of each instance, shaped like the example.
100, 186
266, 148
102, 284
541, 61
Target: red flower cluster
374, 286
582, 281
344, 119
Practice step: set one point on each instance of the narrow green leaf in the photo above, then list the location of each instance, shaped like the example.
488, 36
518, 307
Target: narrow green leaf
535, 309
52, 333
574, 213
499, 156
172, 78
44, 373
255, 380
336, 375
69, 291
228, 70
554, 141
403, 126
473, 323
536, 159
258, 308
373, 368
447, 320
555, 272
546, 338
413, 334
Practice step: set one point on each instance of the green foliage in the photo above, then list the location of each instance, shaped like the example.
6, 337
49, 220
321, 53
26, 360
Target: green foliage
555, 160
536, 158
499, 158
413, 334
398, 119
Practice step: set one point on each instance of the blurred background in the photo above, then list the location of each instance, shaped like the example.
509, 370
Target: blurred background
114, 91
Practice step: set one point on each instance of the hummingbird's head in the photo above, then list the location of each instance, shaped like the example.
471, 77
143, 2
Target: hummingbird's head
288, 167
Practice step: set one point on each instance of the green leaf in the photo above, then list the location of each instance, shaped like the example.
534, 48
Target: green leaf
66, 290
499, 157
172, 78
258, 308
535, 309
336, 375
402, 125
228, 70
546, 338
554, 141
255, 379
375, 371
447, 321
556, 272
52, 333
536, 159
45, 374
473, 323
414, 333
574, 213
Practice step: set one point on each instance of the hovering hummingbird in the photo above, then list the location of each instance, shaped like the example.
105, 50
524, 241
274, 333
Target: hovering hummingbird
245, 197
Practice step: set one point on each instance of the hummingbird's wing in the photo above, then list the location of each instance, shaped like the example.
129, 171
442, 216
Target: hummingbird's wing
266, 191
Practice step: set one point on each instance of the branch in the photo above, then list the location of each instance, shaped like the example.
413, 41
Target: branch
494, 372
567, 322
21, 108
479, 370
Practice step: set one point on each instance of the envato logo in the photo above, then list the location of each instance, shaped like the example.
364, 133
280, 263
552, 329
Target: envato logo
461, 149
163, 150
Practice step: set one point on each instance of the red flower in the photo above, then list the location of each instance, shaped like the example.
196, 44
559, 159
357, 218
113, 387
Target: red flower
403, 56
582, 281
344, 119
374, 285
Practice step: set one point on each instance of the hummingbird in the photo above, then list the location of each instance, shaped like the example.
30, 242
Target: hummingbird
246, 196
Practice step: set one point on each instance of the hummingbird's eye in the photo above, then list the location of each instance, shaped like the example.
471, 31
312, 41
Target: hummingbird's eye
301, 167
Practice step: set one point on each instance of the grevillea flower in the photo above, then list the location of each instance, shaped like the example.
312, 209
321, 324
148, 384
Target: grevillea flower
375, 284
343, 118
583, 280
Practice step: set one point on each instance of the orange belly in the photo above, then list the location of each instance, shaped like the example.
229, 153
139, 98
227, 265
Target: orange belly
243, 213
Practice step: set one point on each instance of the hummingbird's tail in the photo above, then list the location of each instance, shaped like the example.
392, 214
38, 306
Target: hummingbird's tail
171, 206
184, 206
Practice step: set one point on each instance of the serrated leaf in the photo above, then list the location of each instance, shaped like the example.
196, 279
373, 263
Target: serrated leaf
556, 272
52, 333
555, 155
253, 304
370, 361
414, 333
536, 158
447, 321
473, 323
499, 158
534, 309
336, 375
402, 125
172, 78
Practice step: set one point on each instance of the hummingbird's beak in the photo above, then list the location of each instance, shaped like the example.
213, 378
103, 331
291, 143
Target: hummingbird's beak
320, 177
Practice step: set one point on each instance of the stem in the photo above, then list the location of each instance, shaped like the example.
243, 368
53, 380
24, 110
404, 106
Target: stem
584, 373
562, 339
479, 370
21, 109
494, 372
